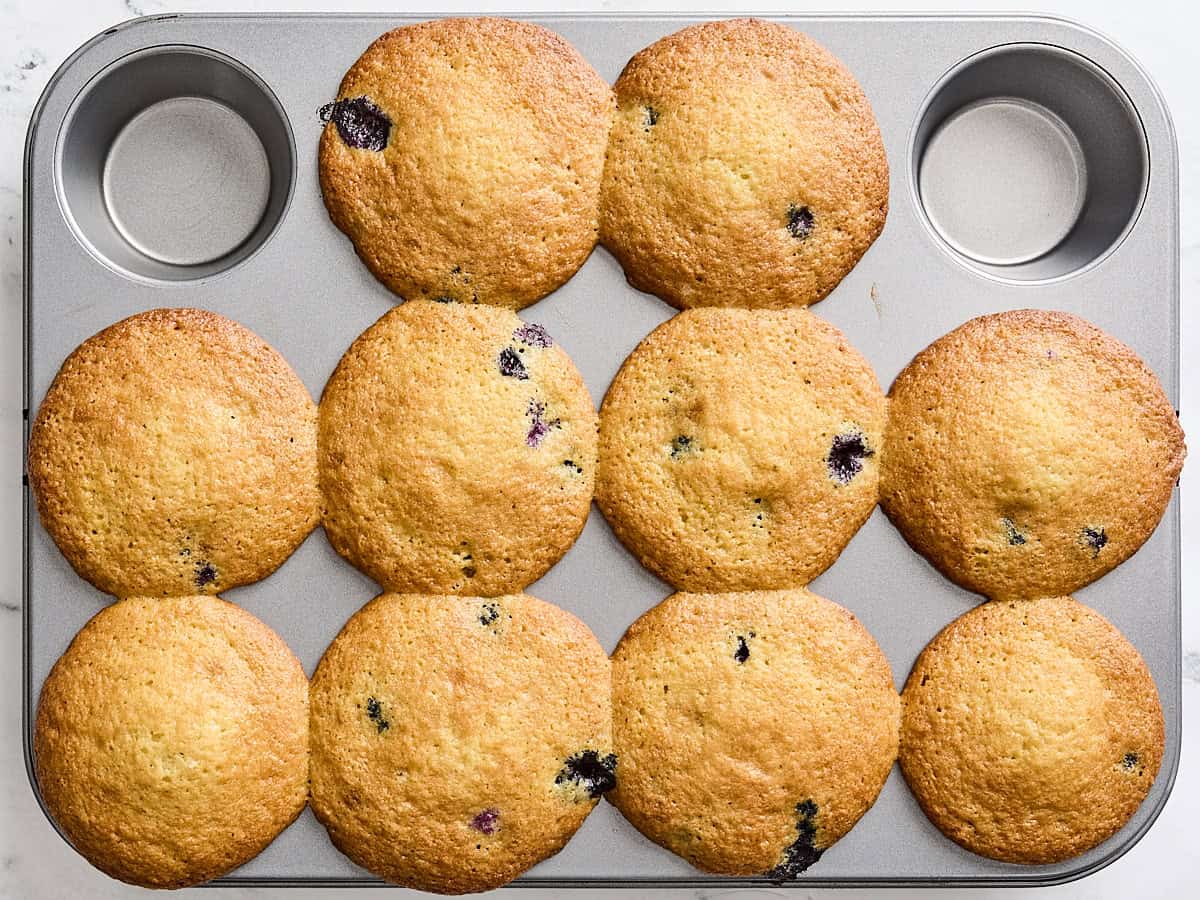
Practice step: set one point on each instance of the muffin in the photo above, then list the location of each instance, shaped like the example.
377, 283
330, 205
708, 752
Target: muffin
739, 449
1032, 730
175, 453
457, 450
171, 740
457, 741
754, 730
1028, 453
463, 159
744, 168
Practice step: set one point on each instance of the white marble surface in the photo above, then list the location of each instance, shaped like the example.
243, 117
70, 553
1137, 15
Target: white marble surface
37, 35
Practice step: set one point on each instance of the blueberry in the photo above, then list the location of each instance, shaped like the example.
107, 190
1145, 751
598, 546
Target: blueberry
488, 615
206, 573
799, 221
511, 365
649, 118
846, 455
742, 653
533, 335
1012, 533
361, 123
539, 425
487, 821
594, 773
1129, 761
375, 714
1094, 538
681, 445
801, 853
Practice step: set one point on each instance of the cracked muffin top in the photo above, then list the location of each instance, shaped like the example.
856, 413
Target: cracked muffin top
463, 159
1032, 730
739, 449
754, 729
744, 168
1028, 453
457, 741
171, 739
457, 450
174, 454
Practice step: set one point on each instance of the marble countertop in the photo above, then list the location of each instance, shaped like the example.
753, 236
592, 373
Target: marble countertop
37, 35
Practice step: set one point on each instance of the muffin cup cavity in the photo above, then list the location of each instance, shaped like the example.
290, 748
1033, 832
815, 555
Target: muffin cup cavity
174, 163
1029, 162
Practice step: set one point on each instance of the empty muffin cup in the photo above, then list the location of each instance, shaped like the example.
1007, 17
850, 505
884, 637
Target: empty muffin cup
1029, 162
175, 163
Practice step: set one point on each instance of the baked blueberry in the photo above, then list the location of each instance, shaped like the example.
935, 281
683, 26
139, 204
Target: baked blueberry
799, 221
511, 365
801, 853
539, 425
489, 614
593, 773
533, 335
360, 123
487, 821
1012, 533
846, 455
1129, 761
681, 445
375, 714
742, 653
650, 117
206, 573
1094, 538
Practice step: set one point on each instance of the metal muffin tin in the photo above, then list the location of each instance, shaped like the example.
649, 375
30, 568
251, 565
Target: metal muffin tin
1033, 164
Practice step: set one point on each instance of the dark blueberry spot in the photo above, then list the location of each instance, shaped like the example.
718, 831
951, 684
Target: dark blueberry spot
444, 298
571, 464
1129, 761
539, 425
533, 335
680, 446
487, 821
801, 853
469, 571
1012, 533
742, 653
594, 773
375, 714
360, 123
206, 573
846, 455
650, 118
511, 365
489, 614
1094, 538
186, 551
799, 221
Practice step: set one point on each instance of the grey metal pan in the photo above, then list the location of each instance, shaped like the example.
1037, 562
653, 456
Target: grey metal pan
1091, 227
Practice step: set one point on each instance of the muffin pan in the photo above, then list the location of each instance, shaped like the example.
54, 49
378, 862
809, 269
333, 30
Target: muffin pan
172, 162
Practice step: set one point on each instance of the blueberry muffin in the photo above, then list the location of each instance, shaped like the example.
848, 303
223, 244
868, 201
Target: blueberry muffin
457, 741
1032, 730
171, 740
1028, 453
457, 450
753, 729
175, 453
463, 158
739, 449
744, 168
